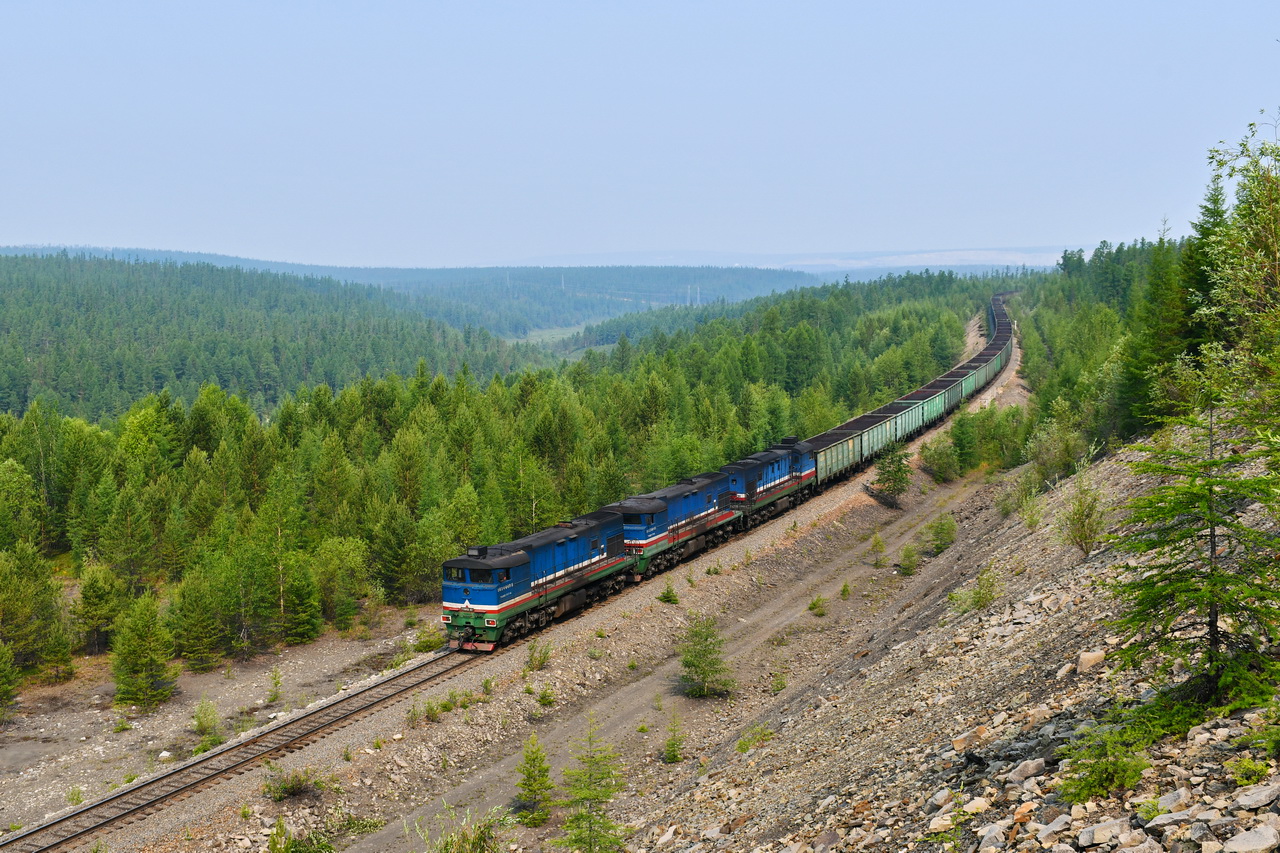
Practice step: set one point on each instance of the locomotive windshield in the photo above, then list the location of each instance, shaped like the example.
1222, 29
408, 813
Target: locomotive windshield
631, 519
455, 574
481, 575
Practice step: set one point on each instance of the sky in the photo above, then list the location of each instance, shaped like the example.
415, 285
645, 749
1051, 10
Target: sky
475, 133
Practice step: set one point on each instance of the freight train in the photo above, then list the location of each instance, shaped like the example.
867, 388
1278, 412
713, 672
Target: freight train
498, 593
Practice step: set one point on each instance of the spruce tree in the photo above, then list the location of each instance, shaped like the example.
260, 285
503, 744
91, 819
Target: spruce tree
702, 666
199, 634
590, 787
9, 677
535, 783
141, 648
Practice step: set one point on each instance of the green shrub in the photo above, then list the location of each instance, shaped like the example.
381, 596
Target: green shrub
668, 595
428, 640
673, 748
985, 590
818, 607
758, 735
1150, 809
539, 656
208, 726
844, 592
282, 784
1104, 760
909, 559
1247, 771
546, 698
941, 532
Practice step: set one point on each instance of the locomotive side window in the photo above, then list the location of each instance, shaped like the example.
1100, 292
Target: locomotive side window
481, 575
648, 519
595, 544
455, 574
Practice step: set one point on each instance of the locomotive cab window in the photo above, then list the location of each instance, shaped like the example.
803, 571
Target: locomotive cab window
481, 575
455, 574
632, 519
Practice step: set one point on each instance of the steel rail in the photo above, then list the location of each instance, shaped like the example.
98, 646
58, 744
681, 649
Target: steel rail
235, 757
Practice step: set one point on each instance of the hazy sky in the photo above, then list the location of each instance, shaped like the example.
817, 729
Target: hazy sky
425, 134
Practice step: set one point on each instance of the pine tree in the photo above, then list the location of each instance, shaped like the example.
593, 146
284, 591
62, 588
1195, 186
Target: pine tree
9, 678
535, 783
19, 505
57, 664
702, 666
1205, 593
30, 603
341, 569
102, 595
893, 474
590, 787
141, 648
302, 617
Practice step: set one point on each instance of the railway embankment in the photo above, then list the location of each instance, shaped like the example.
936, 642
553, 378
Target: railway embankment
949, 738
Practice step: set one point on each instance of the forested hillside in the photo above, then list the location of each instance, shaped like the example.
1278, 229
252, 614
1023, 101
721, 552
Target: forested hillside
252, 531
509, 302
95, 335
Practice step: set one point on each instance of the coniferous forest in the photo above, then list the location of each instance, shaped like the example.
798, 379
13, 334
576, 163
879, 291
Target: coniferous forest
236, 460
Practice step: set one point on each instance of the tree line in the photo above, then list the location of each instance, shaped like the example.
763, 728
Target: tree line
95, 335
226, 532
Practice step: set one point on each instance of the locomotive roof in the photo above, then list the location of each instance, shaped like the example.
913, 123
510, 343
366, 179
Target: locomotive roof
656, 501
778, 451
516, 552
638, 504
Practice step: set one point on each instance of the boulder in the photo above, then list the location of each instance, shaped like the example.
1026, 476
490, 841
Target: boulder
1051, 830
1256, 797
1262, 839
1089, 660
1028, 769
1101, 833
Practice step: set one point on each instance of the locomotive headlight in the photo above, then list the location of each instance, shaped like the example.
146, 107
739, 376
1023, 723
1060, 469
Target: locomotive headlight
491, 623
446, 618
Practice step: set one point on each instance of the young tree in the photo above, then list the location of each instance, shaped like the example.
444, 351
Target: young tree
141, 648
199, 634
702, 666
535, 783
590, 787
1205, 594
893, 474
302, 620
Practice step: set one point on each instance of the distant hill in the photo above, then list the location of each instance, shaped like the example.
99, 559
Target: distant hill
512, 302
96, 334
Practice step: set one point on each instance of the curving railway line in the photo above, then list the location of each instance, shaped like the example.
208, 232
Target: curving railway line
830, 456
144, 797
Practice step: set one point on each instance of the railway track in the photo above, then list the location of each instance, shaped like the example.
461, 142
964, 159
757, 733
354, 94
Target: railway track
150, 795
